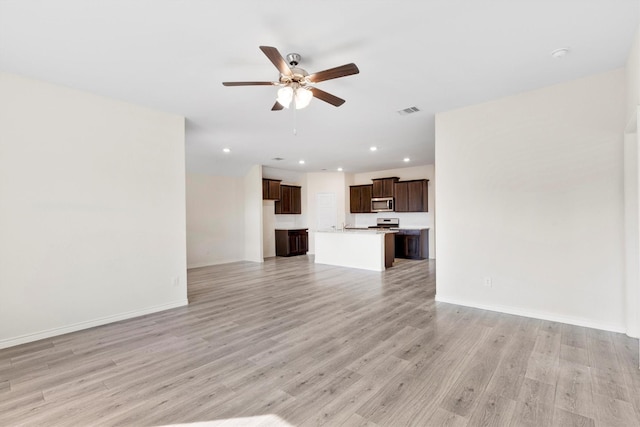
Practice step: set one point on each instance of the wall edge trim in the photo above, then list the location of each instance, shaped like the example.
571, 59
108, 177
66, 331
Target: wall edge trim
534, 314
212, 263
49, 333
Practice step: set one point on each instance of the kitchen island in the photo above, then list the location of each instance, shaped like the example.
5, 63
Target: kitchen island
365, 249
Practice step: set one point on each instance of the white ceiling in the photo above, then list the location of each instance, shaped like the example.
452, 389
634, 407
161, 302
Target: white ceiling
437, 55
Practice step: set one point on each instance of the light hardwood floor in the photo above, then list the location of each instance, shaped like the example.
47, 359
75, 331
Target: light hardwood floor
289, 342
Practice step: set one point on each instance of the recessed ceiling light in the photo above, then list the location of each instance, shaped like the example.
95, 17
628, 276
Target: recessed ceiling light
373, 148
406, 159
301, 162
559, 53
226, 150
339, 169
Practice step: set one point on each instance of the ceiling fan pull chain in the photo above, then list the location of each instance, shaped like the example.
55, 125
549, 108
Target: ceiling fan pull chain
295, 116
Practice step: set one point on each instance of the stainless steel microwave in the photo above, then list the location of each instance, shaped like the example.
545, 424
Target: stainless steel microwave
382, 204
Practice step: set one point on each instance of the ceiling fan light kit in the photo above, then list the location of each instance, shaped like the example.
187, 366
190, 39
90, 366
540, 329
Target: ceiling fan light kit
285, 95
300, 96
296, 85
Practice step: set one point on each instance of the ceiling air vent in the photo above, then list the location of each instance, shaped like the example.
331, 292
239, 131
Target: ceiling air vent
409, 110
277, 159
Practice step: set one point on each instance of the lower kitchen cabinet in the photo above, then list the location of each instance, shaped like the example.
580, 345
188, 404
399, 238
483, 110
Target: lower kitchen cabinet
412, 244
389, 249
292, 242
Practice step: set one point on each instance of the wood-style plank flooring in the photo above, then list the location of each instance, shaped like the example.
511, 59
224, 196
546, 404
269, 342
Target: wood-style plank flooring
291, 343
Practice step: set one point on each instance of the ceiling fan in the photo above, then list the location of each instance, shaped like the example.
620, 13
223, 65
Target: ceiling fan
296, 85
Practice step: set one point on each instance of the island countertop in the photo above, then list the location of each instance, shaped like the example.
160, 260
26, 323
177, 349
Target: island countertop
358, 231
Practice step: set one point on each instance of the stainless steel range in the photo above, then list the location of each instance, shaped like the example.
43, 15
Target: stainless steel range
386, 223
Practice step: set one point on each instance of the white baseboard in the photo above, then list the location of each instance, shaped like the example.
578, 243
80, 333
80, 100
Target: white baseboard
536, 315
210, 263
10, 342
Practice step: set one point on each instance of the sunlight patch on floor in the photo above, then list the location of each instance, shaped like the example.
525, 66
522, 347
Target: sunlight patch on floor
268, 420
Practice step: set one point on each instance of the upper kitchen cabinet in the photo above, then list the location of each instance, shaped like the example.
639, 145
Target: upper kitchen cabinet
411, 196
360, 198
383, 187
290, 200
270, 189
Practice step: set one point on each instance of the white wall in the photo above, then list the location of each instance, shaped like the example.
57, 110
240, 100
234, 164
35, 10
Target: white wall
268, 229
633, 81
92, 210
324, 183
253, 215
631, 191
405, 174
407, 219
529, 193
631, 233
215, 220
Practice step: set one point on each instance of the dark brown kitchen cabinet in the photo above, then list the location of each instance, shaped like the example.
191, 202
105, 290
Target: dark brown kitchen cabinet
411, 196
360, 198
290, 200
270, 189
401, 197
383, 187
412, 244
292, 242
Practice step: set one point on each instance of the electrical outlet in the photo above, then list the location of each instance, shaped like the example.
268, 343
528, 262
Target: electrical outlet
176, 281
487, 282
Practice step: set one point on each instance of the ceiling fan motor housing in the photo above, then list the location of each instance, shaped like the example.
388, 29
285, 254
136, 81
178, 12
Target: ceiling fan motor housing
297, 74
293, 59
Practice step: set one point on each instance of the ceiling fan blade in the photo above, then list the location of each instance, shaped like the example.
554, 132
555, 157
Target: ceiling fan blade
277, 107
334, 73
327, 97
277, 59
248, 83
